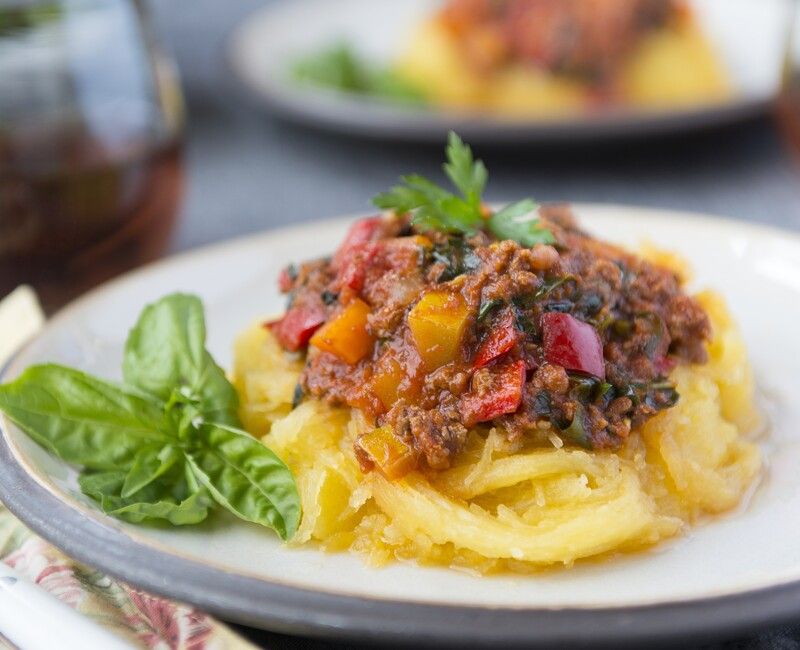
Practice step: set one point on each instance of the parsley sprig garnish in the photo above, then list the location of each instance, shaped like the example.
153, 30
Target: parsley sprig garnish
434, 208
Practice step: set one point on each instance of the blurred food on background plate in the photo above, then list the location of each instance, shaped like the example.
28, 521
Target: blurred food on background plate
540, 57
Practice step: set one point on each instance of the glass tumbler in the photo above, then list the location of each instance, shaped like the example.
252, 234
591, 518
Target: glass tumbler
91, 120
788, 104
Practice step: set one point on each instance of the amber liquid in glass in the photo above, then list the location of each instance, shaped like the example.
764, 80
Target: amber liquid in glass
73, 213
788, 112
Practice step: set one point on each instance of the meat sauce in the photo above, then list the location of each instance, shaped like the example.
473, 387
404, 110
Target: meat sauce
587, 38
430, 334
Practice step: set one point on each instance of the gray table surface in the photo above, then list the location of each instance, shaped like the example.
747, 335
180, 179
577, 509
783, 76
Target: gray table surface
248, 172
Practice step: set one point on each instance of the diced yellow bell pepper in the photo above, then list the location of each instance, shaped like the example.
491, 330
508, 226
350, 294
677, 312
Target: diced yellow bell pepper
346, 335
411, 241
386, 381
390, 455
422, 240
437, 324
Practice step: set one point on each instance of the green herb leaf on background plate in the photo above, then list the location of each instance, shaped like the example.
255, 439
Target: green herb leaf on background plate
340, 67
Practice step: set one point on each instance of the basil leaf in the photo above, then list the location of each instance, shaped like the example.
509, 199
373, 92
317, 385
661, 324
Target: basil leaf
165, 354
149, 453
149, 464
519, 221
246, 477
82, 419
175, 498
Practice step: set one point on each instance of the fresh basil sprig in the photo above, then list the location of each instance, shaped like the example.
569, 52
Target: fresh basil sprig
165, 445
434, 208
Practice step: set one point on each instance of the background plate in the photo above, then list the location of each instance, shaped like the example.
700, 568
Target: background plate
749, 36
733, 573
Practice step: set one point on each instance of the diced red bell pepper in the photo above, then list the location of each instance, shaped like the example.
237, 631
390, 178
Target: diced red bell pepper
298, 324
502, 337
285, 281
503, 396
360, 233
353, 269
572, 344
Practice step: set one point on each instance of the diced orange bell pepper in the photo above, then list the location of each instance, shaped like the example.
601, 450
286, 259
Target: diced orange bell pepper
437, 324
387, 453
386, 381
346, 334
421, 240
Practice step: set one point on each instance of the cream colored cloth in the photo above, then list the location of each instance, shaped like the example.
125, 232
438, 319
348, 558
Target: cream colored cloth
20, 318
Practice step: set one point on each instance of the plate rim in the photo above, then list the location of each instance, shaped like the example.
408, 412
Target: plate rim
375, 119
286, 608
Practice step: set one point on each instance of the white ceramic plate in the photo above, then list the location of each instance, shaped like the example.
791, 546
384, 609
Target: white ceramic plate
742, 569
748, 35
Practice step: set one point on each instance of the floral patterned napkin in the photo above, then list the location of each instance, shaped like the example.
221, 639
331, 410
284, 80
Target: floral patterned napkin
145, 621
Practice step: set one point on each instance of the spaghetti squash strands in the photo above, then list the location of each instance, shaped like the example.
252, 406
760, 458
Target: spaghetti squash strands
625, 515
